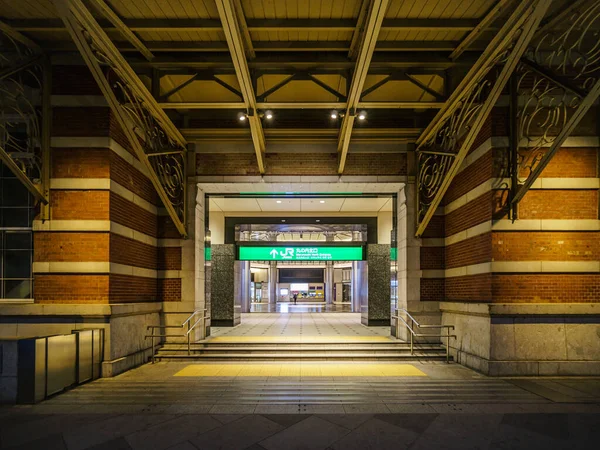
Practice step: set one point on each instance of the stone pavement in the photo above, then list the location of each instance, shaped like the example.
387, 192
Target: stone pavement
449, 407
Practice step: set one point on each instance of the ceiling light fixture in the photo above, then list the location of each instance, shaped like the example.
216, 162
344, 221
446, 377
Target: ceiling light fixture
269, 115
362, 115
322, 201
334, 114
278, 201
241, 116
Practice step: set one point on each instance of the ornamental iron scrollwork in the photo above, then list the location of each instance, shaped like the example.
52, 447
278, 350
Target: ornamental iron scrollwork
153, 137
21, 84
558, 81
437, 153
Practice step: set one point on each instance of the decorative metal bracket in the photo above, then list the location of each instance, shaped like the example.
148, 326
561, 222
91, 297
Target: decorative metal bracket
557, 83
24, 126
157, 143
445, 143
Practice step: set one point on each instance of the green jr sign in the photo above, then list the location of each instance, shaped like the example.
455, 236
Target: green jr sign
301, 253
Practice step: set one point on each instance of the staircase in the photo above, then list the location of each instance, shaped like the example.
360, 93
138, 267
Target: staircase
308, 351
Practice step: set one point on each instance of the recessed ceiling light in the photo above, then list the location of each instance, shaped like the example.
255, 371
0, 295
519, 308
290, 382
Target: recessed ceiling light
278, 201
322, 201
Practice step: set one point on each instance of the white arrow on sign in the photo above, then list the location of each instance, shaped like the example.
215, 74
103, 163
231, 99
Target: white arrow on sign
273, 253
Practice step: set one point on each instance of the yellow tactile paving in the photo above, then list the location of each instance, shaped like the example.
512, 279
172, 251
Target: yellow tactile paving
300, 370
298, 340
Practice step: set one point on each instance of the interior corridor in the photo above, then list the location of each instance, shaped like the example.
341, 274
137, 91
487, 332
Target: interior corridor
301, 327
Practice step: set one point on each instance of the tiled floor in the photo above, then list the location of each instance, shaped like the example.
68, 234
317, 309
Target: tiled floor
450, 407
303, 326
300, 307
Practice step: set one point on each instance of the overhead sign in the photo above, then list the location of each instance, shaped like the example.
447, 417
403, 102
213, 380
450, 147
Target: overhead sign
301, 253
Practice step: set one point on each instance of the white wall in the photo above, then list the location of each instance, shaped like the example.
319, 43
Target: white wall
384, 227
216, 223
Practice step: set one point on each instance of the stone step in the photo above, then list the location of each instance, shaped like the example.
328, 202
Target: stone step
322, 356
298, 348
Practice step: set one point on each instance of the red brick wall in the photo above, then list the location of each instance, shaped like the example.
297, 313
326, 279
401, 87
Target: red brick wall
471, 288
130, 289
79, 205
131, 215
70, 247
435, 228
81, 163
376, 164
546, 288
301, 164
432, 257
132, 253
473, 213
546, 246
572, 163
66, 288
169, 290
73, 80
226, 164
471, 177
167, 229
559, 204
131, 178
81, 121
432, 289
169, 258
475, 250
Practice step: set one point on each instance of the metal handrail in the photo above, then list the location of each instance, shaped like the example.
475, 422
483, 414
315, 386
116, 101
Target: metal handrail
411, 327
190, 328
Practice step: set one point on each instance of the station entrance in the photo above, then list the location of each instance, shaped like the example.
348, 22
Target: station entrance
301, 266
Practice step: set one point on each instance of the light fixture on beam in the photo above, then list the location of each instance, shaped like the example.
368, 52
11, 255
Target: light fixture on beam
268, 115
334, 114
242, 116
362, 115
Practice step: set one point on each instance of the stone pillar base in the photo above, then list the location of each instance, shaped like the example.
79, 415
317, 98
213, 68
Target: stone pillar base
525, 339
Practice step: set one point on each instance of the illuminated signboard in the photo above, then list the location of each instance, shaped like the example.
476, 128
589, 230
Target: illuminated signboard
301, 253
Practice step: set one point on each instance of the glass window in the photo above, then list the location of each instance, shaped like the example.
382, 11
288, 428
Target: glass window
16, 237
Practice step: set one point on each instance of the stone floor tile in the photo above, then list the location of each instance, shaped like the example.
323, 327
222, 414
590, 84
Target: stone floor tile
417, 423
312, 433
50, 442
45, 425
276, 409
376, 434
115, 444
553, 425
324, 409
286, 420
188, 409
165, 434
349, 421
507, 437
233, 409
106, 430
187, 445
409, 408
237, 435
458, 432
226, 418
366, 408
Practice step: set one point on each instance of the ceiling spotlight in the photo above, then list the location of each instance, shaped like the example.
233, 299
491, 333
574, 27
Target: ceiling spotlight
241, 116
278, 201
283, 220
334, 114
269, 115
322, 201
318, 220
362, 115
